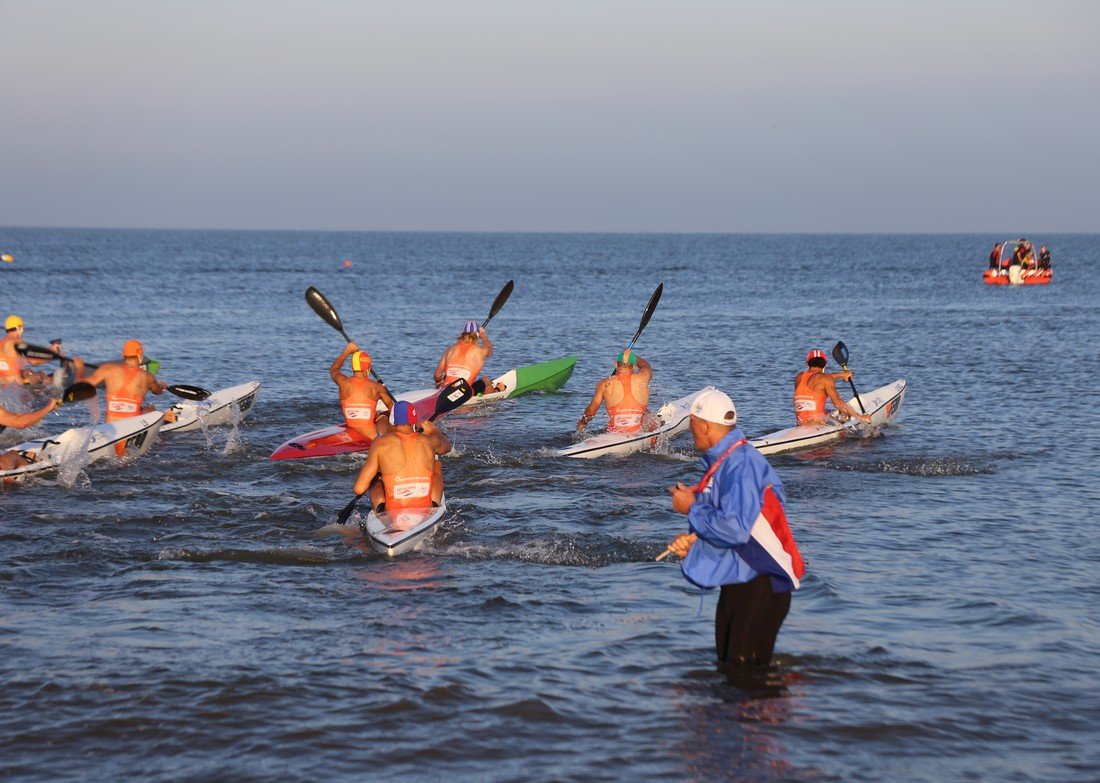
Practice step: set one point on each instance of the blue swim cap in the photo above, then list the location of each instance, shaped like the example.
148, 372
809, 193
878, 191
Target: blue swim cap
471, 327
404, 413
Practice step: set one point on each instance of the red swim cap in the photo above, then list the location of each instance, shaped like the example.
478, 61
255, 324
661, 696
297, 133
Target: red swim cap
816, 354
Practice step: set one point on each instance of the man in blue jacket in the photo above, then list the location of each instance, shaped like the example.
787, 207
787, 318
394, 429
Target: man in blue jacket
739, 539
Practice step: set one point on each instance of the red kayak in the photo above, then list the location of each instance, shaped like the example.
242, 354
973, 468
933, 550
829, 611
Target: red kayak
332, 441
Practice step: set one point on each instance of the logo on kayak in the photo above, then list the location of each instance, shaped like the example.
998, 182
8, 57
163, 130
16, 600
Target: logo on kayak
457, 394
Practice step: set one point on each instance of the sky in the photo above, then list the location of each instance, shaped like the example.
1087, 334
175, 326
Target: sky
561, 115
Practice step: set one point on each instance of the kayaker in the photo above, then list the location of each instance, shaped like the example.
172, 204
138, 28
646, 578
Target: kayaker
407, 460
739, 539
625, 393
126, 384
359, 395
15, 369
465, 359
995, 257
9, 460
814, 385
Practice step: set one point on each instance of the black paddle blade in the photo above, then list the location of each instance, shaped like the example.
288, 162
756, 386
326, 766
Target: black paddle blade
840, 353
345, 514
322, 307
451, 396
196, 393
498, 303
78, 392
649, 308
36, 352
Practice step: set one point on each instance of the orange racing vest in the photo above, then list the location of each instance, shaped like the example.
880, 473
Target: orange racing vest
11, 363
410, 487
360, 408
809, 406
125, 401
464, 365
626, 416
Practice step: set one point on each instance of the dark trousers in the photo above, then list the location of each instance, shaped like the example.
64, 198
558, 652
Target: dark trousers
747, 621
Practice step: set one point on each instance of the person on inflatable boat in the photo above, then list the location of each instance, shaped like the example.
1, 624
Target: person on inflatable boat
465, 359
626, 395
126, 384
738, 535
403, 469
814, 385
10, 460
359, 395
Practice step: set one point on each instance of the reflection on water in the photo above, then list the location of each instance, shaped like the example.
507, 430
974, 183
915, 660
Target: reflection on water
733, 717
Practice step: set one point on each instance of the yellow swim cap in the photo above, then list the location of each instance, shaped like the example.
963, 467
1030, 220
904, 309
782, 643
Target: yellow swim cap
360, 361
13, 322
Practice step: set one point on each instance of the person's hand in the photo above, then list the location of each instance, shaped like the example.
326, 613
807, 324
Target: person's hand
428, 427
53, 404
682, 498
352, 348
844, 375
681, 545
864, 418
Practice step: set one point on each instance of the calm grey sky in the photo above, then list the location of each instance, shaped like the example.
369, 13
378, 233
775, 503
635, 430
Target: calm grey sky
567, 115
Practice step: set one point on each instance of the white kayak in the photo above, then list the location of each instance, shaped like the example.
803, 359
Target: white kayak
224, 406
392, 534
97, 442
672, 419
399, 531
881, 404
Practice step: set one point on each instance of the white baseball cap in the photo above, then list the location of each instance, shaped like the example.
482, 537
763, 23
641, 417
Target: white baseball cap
714, 406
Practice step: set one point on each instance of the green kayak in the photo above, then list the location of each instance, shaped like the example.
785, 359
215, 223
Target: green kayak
544, 376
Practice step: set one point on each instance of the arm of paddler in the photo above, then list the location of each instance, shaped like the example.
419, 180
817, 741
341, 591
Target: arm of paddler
590, 411
367, 473
334, 370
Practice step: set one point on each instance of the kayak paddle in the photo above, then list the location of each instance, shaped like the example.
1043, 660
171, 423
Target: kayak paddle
186, 391
840, 355
450, 397
649, 308
498, 303
316, 300
78, 392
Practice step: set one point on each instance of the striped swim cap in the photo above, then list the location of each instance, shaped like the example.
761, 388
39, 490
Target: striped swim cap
404, 413
628, 357
471, 327
815, 354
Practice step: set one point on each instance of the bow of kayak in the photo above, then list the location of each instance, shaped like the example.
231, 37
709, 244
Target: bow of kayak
222, 407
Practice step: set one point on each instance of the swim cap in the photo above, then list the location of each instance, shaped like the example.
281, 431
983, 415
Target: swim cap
471, 327
714, 406
816, 354
13, 322
132, 348
360, 361
628, 357
404, 413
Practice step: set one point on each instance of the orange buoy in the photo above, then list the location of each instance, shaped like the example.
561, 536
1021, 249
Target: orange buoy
347, 263
6, 258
